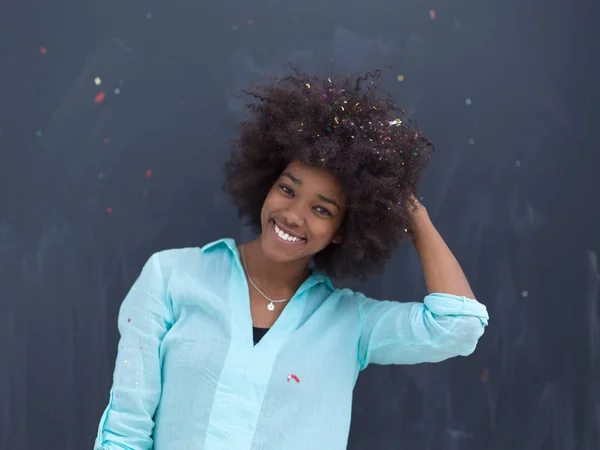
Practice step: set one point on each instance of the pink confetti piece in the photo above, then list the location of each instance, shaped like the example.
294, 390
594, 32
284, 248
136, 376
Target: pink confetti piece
148, 173
291, 376
100, 97
43, 50
106, 140
250, 22
485, 375
432, 14
109, 210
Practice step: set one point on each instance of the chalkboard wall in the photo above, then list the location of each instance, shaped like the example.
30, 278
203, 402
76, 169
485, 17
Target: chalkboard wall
114, 118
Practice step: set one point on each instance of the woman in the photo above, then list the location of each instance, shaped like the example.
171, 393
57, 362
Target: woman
249, 346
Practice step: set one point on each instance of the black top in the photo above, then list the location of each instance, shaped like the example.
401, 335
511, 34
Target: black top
259, 333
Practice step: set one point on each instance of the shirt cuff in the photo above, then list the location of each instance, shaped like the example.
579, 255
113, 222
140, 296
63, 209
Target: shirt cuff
455, 305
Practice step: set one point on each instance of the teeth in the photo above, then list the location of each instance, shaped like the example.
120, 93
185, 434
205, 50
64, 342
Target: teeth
283, 235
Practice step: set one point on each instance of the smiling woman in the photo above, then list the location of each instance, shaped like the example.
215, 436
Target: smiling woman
211, 337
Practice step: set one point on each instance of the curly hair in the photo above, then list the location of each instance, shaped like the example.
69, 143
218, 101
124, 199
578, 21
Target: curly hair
359, 138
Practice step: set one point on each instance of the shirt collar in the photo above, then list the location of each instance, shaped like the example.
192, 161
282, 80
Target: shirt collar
315, 278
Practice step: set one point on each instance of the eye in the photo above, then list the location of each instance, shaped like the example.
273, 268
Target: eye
287, 190
324, 211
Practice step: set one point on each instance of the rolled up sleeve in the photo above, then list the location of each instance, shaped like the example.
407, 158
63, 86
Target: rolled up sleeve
441, 327
144, 318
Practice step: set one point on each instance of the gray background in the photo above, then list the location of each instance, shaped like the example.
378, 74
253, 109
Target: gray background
511, 188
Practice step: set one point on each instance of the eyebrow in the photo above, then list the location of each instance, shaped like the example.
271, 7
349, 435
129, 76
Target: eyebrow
321, 197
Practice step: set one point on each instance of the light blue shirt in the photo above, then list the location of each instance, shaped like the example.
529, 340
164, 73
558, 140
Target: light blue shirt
188, 376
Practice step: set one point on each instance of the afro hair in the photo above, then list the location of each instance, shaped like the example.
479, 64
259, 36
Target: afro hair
345, 128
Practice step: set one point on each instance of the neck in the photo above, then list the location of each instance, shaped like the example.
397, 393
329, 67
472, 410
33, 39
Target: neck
276, 279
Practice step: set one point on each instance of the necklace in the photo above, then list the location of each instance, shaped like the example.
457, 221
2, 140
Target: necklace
270, 306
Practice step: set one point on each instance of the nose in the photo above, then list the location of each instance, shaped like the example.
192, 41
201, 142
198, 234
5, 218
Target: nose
292, 218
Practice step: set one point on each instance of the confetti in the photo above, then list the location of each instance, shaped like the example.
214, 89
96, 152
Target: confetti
43, 50
148, 173
128, 320
106, 140
524, 294
400, 78
98, 81
471, 141
468, 101
432, 14
38, 133
100, 97
117, 91
250, 22
109, 210
485, 375
518, 163
291, 376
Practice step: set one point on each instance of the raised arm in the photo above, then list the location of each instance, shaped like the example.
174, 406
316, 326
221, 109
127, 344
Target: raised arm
145, 317
449, 321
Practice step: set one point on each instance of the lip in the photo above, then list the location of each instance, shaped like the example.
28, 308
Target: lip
272, 226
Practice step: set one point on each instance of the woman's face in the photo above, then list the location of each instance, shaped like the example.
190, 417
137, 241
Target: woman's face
308, 205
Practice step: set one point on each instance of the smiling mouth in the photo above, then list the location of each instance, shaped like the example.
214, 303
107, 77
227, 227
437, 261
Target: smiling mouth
280, 235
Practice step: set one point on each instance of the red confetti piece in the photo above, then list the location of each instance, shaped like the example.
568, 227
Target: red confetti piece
485, 375
148, 173
43, 50
100, 97
109, 210
291, 376
432, 14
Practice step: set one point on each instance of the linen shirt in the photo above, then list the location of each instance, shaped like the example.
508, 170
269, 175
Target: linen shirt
188, 375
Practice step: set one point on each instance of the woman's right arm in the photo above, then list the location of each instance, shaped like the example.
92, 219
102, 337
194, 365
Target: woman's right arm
145, 317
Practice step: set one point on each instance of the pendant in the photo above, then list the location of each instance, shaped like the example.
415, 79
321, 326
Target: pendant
271, 307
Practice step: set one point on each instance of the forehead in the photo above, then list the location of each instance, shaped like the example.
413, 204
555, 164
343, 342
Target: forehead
315, 177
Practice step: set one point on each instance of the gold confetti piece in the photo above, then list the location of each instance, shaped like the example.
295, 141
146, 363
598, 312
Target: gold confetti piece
308, 85
400, 78
98, 81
